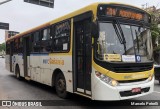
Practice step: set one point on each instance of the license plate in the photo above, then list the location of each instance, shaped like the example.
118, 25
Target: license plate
136, 90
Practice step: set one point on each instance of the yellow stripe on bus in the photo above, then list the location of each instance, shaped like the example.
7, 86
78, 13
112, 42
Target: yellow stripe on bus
123, 76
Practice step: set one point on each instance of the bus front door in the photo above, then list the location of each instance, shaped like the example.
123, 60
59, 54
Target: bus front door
82, 56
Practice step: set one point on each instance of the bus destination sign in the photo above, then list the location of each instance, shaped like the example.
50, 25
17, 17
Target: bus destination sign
124, 13
114, 11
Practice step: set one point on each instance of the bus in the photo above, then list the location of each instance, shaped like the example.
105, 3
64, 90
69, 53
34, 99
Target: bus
102, 51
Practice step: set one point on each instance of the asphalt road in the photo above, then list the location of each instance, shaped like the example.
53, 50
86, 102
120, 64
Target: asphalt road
13, 89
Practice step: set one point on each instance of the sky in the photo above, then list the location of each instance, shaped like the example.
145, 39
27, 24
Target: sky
23, 16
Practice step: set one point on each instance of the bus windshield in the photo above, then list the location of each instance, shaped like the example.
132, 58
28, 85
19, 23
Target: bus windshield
137, 41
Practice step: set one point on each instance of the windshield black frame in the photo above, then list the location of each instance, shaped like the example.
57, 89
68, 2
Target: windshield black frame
114, 66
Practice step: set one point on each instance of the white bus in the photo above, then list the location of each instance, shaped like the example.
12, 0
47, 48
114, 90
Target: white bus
102, 51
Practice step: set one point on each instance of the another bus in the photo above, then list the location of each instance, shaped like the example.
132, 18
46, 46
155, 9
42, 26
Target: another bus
102, 51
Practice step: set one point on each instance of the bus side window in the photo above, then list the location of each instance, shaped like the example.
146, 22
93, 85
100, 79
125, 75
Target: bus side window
46, 40
46, 34
20, 46
8, 48
16, 46
36, 41
61, 37
31, 43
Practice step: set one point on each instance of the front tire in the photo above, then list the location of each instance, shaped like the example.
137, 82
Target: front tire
60, 85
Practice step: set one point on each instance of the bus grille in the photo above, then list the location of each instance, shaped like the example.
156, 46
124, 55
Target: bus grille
134, 68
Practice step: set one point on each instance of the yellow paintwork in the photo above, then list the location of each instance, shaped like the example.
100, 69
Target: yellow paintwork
27, 32
123, 76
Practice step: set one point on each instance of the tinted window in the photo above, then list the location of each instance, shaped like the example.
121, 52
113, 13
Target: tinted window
46, 34
20, 50
8, 48
62, 36
36, 41
16, 46
46, 40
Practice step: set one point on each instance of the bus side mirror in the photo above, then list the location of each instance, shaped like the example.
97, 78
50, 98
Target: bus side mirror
94, 30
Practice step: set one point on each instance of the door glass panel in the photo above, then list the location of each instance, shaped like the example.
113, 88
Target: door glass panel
80, 61
83, 55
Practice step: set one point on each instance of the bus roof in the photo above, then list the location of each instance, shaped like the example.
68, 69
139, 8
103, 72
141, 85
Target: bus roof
67, 16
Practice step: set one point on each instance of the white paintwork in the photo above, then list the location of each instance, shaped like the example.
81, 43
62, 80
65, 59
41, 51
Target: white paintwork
40, 72
18, 60
7, 62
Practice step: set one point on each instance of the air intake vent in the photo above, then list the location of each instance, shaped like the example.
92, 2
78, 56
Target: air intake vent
130, 68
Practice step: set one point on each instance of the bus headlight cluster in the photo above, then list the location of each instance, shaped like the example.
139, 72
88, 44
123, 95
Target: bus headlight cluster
150, 78
106, 79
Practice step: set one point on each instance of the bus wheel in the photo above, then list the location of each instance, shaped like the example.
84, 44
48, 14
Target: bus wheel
18, 73
60, 85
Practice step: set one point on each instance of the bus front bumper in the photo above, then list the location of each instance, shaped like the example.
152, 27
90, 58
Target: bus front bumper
103, 91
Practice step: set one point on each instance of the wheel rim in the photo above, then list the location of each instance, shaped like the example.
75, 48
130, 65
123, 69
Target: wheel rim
61, 85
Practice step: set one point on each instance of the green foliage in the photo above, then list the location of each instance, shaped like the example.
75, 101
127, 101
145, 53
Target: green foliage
154, 34
155, 31
157, 48
2, 47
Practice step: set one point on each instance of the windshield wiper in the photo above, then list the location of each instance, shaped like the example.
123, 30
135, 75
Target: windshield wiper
137, 40
120, 34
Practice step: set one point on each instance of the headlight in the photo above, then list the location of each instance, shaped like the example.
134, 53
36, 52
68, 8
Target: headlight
106, 79
150, 78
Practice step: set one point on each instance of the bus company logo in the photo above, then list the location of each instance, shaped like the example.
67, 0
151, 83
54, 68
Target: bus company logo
53, 61
138, 76
128, 77
6, 103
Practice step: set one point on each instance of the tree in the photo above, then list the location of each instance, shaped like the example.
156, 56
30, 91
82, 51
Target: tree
155, 33
2, 47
